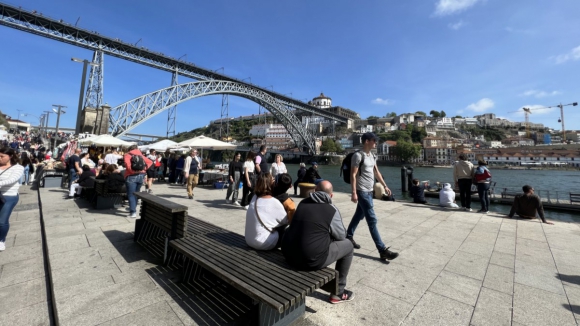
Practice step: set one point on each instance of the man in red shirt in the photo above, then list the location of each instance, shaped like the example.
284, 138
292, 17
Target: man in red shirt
134, 179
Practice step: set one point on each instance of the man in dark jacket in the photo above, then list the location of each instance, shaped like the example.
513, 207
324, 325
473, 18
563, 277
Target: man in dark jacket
308, 244
312, 175
301, 175
528, 205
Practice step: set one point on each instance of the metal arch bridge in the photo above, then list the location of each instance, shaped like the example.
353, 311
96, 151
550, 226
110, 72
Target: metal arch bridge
36, 23
132, 113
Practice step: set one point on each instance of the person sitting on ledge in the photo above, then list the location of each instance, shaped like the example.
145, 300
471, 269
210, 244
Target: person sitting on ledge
528, 205
447, 196
418, 192
312, 175
317, 238
84, 181
266, 218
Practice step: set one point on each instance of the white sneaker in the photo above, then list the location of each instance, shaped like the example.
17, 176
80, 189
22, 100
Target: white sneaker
133, 215
245, 207
236, 203
2, 246
228, 201
469, 209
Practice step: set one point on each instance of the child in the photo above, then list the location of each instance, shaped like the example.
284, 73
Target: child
280, 192
418, 192
447, 197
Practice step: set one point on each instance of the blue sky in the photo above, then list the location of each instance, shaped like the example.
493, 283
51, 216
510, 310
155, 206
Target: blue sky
465, 57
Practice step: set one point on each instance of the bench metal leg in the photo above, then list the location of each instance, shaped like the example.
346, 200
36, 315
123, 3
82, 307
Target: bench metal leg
271, 317
332, 286
108, 202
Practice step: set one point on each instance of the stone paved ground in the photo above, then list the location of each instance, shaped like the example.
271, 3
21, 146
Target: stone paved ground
24, 299
455, 268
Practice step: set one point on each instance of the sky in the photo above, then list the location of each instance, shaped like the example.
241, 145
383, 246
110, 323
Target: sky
465, 57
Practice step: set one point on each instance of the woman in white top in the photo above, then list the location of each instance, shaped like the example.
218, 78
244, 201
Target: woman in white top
248, 179
10, 173
278, 167
266, 218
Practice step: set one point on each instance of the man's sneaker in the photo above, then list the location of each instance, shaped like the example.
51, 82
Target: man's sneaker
133, 215
388, 255
190, 197
469, 209
343, 297
2, 246
354, 244
236, 203
228, 201
481, 211
246, 207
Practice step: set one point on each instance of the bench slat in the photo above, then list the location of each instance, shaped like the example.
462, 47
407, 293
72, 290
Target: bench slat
247, 289
281, 276
161, 203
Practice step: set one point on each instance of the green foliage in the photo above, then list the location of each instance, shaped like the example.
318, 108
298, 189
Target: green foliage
434, 114
328, 145
339, 148
372, 117
391, 115
421, 113
488, 134
3, 121
227, 156
458, 116
406, 150
412, 134
442, 114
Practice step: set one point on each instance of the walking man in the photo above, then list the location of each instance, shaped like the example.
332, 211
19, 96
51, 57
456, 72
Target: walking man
362, 185
261, 164
135, 166
191, 169
74, 166
235, 172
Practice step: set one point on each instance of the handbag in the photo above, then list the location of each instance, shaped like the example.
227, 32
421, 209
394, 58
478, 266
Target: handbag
2, 199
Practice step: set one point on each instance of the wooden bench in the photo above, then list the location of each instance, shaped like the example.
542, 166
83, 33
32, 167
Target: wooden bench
105, 199
574, 198
306, 189
263, 276
161, 220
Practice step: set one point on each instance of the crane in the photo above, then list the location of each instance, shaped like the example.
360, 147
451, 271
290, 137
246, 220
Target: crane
528, 111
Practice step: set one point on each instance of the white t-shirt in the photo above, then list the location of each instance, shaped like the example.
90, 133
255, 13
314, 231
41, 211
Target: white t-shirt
10, 180
112, 158
272, 214
276, 169
250, 165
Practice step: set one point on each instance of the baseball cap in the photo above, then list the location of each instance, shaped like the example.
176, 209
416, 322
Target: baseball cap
314, 163
369, 136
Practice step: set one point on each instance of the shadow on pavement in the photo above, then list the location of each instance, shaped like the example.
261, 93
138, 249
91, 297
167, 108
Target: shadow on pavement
575, 279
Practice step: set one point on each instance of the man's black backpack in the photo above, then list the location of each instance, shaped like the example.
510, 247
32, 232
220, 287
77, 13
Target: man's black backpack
346, 166
137, 163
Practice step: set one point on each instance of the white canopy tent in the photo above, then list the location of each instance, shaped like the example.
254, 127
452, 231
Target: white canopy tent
105, 140
204, 142
160, 146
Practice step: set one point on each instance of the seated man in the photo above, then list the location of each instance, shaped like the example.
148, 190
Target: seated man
312, 175
308, 244
528, 205
447, 196
84, 181
280, 192
418, 192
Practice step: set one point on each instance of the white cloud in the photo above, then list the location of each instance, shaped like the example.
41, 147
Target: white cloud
457, 25
539, 94
480, 106
381, 101
570, 56
449, 7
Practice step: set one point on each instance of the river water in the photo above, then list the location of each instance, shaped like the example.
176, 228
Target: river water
553, 181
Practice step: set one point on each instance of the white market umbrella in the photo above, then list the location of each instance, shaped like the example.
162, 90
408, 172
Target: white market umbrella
205, 143
160, 146
106, 140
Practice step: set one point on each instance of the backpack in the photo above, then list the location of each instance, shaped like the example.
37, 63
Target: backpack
346, 166
137, 163
483, 176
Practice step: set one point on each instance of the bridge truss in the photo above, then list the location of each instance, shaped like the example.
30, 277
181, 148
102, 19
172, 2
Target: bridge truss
132, 113
59, 30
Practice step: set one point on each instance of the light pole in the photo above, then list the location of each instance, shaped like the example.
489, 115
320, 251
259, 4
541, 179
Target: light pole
58, 113
83, 79
46, 120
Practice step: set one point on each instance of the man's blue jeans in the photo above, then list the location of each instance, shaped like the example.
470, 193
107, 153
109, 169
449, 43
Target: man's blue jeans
133, 183
5, 211
364, 209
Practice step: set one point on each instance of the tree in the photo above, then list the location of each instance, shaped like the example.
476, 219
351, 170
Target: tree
458, 117
372, 117
339, 148
421, 113
391, 115
328, 145
442, 114
418, 134
406, 150
434, 114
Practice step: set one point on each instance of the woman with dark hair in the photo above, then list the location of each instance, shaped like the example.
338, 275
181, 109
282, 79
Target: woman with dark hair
28, 169
482, 179
248, 179
10, 174
266, 218
84, 181
115, 181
